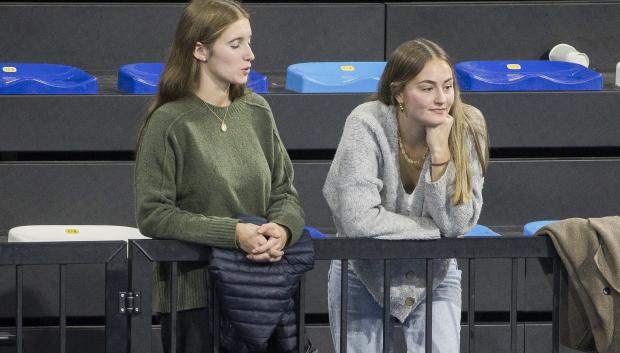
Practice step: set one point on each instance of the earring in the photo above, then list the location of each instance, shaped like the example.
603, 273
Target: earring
401, 107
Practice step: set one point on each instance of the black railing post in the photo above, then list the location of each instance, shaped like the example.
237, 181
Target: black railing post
555, 325
344, 302
513, 305
301, 314
141, 275
428, 332
62, 308
19, 302
387, 280
471, 310
173, 306
116, 323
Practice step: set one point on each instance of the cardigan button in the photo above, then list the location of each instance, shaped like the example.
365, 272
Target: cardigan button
410, 275
606, 291
409, 301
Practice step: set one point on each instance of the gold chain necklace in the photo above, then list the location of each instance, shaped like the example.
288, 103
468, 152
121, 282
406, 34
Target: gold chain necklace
223, 126
416, 163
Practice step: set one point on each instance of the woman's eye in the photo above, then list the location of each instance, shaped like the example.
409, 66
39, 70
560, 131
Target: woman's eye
449, 87
427, 89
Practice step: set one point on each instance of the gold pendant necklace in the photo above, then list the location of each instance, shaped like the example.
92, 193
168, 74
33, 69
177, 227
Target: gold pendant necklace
415, 163
223, 126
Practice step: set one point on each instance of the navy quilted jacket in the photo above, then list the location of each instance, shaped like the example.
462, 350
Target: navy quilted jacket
257, 300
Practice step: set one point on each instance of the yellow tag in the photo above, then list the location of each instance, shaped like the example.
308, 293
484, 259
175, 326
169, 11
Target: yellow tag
9, 69
513, 67
347, 68
72, 231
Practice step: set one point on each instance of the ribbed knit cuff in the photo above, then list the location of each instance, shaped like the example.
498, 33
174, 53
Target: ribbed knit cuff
222, 232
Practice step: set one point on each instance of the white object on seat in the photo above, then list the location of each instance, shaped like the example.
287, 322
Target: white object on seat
72, 233
568, 53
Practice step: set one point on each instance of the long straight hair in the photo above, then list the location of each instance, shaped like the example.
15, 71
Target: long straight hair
202, 21
403, 65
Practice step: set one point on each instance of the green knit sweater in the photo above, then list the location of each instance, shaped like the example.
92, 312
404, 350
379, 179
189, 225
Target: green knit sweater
192, 180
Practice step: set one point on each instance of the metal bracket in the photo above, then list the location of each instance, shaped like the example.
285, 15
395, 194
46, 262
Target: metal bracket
129, 303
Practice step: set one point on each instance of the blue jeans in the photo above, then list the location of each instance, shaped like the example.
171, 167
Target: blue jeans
365, 325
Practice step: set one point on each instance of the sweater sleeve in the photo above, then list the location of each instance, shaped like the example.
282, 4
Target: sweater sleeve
353, 186
454, 220
158, 157
284, 206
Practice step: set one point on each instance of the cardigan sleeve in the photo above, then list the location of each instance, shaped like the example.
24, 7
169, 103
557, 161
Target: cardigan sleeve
352, 190
454, 220
284, 207
158, 216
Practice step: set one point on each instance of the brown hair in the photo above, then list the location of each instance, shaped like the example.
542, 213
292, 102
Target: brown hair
202, 21
403, 65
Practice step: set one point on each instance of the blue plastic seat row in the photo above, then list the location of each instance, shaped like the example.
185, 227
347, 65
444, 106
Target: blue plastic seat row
497, 75
312, 77
141, 78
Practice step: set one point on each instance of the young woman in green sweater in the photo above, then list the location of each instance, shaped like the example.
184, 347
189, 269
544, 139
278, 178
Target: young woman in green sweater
209, 151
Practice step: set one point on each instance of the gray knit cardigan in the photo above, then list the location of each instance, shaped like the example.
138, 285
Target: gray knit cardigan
365, 194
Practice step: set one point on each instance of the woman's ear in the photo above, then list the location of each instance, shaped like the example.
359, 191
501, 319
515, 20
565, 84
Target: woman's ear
399, 98
201, 53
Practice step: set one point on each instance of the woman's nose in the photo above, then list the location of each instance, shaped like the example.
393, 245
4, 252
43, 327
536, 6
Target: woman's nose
440, 97
249, 55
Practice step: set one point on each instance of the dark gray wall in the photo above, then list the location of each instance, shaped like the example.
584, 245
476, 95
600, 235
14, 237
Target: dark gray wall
510, 30
106, 36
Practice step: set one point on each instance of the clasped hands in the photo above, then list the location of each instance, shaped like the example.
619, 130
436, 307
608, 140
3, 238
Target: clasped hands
264, 243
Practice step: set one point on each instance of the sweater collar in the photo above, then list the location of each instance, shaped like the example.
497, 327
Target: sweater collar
233, 108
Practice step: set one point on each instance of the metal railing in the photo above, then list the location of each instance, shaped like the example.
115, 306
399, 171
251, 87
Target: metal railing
143, 253
111, 254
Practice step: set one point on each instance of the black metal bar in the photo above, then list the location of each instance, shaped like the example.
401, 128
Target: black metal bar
483, 247
344, 301
216, 319
173, 250
55, 253
555, 326
19, 300
173, 306
387, 278
428, 332
62, 308
140, 270
301, 315
116, 281
513, 306
471, 310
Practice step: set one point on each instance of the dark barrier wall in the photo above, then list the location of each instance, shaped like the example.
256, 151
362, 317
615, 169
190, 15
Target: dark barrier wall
511, 30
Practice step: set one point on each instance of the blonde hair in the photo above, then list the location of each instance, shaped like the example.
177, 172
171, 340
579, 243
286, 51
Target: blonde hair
403, 65
202, 21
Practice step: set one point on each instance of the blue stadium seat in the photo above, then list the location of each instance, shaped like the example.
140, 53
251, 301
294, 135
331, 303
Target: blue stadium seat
19, 78
314, 233
143, 78
481, 231
532, 227
334, 77
526, 75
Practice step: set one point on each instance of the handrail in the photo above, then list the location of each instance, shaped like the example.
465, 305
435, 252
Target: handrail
144, 252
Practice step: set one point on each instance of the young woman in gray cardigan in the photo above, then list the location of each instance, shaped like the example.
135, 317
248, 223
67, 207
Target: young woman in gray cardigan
410, 165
